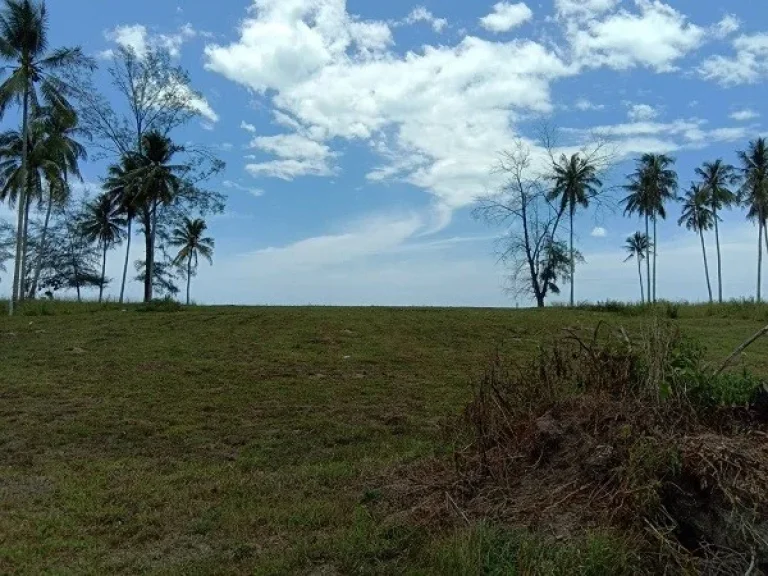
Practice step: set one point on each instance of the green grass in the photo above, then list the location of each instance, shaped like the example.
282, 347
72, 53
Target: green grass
245, 440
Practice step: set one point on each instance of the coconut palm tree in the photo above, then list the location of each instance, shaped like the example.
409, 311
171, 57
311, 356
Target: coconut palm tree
103, 223
63, 153
698, 216
575, 183
754, 194
717, 179
653, 183
124, 191
159, 183
637, 246
24, 43
188, 236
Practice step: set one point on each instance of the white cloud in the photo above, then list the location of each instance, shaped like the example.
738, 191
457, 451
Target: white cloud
641, 112
585, 105
599, 232
450, 107
133, 37
247, 127
421, 14
506, 16
655, 36
583, 9
255, 192
748, 66
657, 137
297, 155
727, 26
744, 115
137, 37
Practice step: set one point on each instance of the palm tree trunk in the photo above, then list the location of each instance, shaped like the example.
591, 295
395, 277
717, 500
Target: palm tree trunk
43, 246
150, 265
719, 261
655, 250
759, 260
573, 263
24, 246
706, 264
648, 260
17, 271
640, 274
103, 271
125, 265
189, 275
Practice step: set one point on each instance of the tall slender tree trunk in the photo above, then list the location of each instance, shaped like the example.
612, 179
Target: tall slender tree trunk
150, 264
719, 261
706, 264
759, 261
189, 275
655, 250
640, 274
573, 262
125, 265
103, 270
43, 246
17, 269
24, 249
648, 260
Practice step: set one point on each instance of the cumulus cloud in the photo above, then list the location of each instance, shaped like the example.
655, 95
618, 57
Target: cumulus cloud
506, 16
248, 127
599, 232
641, 112
727, 26
744, 115
655, 36
449, 107
297, 156
586, 105
421, 14
749, 65
137, 37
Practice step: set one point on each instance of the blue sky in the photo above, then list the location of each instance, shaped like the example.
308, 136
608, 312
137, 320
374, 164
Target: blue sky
358, 133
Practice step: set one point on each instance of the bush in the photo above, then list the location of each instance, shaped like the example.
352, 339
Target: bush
603, 431
164, 305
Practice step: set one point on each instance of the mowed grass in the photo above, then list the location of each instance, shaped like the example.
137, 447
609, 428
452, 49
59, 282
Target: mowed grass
247, 440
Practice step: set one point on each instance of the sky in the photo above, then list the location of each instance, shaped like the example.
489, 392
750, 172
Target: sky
358, 134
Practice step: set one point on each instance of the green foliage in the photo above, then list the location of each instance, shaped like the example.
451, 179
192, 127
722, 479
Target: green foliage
166, 304
487, 550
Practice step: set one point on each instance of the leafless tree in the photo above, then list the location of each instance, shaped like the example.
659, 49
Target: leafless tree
538, 261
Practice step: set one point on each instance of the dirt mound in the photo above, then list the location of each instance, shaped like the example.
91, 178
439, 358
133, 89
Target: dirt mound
602, 432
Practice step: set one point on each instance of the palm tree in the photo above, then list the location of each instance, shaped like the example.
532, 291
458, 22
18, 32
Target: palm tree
63, 154
24, 42
717, 177
103, 223
698, 216
159, 183
653, 183
575, 184
188, 236
125, 193
638, 245
754, 194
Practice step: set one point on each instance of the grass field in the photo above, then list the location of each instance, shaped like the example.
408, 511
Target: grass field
249, 440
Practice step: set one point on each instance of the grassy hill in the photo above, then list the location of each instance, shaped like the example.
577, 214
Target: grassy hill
248, 440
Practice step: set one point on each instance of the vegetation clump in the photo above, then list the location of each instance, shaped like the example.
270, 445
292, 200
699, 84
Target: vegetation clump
604, 434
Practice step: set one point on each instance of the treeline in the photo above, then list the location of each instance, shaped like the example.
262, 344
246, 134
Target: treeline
535, 204
153, 185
